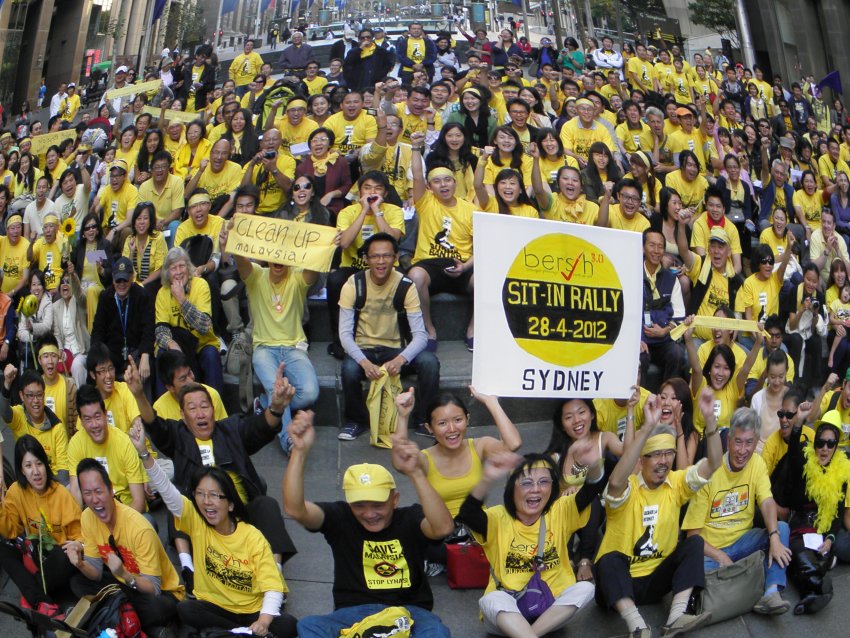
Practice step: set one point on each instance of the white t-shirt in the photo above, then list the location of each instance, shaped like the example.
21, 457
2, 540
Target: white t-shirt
35, 217
80, 200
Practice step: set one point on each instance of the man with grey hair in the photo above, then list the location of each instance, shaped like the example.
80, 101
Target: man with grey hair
294, 58
722, 512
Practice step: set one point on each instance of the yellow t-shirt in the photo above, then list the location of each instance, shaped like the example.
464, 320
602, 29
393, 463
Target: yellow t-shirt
411, 123
762, 297
128, 156
611, 417
244, 68
491, 170
138, 543
393, 215
56, 398
578, 139
724, 508
761, 362
167, 310
14, 260
54, 440
679, 84
717, 294
238, 568
705, 350
349, 135
211, 229
316, 85
634, 140
49, 260
222, 183
271, 195
579, 211
644, 72
23, 509
290, 135
518, 210
116, 454
725, 403
643, 524
158, 250
549, 167
171, 197
692, 193
618, 221
377, 325
166, 406
680, 141
277, 310
775, 448
511, 546
812, 205
444, 232
185, 163
415, 51
117, 204
69, 107
701, 234
121, 408
779, 246
829, 169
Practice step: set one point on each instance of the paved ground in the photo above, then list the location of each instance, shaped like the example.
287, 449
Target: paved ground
310, 573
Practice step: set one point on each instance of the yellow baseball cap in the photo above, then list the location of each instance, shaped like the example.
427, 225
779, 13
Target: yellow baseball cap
367, 482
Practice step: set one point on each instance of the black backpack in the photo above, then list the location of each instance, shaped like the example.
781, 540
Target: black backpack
116, 613
398, 304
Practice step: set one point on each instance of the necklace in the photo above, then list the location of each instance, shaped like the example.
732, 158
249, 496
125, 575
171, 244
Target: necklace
277, 294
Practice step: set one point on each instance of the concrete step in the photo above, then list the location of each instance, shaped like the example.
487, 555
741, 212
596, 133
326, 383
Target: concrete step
455, 376
450, 314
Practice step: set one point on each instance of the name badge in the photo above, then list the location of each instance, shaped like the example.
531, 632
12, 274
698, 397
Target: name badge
718, 405
50, 402
110, 419
206, 455
650, 515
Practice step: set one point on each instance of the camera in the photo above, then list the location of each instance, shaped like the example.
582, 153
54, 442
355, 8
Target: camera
270, 154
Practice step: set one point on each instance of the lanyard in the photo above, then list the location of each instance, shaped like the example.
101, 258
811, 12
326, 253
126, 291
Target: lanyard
122, 316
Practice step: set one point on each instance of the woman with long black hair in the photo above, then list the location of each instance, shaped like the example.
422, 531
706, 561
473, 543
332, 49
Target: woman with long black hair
474, 116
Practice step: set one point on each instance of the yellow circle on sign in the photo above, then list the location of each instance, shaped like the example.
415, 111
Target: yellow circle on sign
563, 300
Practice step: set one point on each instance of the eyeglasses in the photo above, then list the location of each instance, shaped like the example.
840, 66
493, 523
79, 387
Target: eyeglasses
527, 484
365, 37
829, 443
629, 198
786, 414
767, 260
659, 454
321, 139
106, 370
381, 257
302, 187
34, 395
201, 495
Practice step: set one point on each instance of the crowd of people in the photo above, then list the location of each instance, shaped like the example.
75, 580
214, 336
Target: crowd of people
119, 301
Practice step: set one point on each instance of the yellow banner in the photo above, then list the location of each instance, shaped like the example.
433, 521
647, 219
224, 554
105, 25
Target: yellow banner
40, 143
171, 115
308, 246
720, 323
133, 89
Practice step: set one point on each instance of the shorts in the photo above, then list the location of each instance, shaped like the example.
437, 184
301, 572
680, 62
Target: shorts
440, 280
496, 602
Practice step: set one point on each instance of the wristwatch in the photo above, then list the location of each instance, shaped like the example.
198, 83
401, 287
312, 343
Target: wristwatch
131, 582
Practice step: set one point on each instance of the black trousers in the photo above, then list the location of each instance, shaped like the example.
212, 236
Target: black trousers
154, 611
336, 280
200, 614
57, 572
667, 355
680, 571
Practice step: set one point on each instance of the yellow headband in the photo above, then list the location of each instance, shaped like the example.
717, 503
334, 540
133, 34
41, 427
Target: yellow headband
50, 219
48, 348
295, 103
584, 102
643, 158
25, 141
473, 90
199, 198
14, 219
440, 171
659, 442
539, 465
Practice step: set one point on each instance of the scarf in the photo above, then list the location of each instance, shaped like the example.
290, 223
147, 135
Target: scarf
320, 166
705, 271
824, 485
369, 50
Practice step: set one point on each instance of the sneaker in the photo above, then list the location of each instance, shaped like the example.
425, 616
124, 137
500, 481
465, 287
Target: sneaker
188, 582
643, 632
51, 610
772, 605
684, 624
285, 442
258, 407
422, 430
350, 431
433, 569
470, 343
336, 351
222, 347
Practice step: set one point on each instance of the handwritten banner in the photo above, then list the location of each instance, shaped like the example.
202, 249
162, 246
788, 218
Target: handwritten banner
133, 89
308, 246
40, 143
171, 115
558, 308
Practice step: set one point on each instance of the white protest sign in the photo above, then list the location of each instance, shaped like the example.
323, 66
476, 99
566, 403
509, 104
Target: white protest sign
558, 308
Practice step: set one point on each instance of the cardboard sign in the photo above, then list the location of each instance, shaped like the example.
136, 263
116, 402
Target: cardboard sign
40, 143
171, 115
308, 246
558, 308
133, 89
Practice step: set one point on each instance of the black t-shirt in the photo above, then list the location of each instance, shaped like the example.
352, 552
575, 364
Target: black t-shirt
385, 567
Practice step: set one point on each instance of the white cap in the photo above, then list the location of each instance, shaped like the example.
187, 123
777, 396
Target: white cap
121, 69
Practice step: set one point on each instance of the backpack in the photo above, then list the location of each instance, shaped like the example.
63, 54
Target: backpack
116, 613
280, 90
398, 304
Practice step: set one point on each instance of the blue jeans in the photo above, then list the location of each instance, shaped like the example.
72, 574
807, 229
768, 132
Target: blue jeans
425, 624
298, 371
752, 541
172, 228
209, 361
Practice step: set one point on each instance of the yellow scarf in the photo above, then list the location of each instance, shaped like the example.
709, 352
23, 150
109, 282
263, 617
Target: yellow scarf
320, 166
705, 272
823, 485
369, 50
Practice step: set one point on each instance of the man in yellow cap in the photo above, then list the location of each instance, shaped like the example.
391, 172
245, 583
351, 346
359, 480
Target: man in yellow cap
579, 134
378, 547
115, 203
640, 558
294, 126
13, 256
46, 252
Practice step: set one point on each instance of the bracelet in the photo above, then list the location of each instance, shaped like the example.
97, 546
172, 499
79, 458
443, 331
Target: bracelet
145, 456
830, 538
776, 531
418, 149
276, 415
714, 431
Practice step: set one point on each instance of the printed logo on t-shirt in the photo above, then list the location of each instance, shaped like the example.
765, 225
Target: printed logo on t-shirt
207, 458
127, 556
231, 571
645, 547
103, 461
50, 402
718, 406
442, 245
110, 419
384, 565
730, 502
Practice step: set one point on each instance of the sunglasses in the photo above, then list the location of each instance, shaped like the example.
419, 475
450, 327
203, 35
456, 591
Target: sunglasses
829, 443
786, 414
767, 260
90, 227
300, 187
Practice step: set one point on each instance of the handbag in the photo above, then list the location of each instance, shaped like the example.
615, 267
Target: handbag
85, 609
467, 566
733, 590
536, 597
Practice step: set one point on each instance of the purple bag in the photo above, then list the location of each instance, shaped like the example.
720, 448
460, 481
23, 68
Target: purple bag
536, 597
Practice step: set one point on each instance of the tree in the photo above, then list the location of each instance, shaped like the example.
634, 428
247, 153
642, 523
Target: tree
716, 15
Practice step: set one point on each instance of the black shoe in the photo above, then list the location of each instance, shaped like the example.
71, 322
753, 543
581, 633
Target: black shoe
336, 351
188, 581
